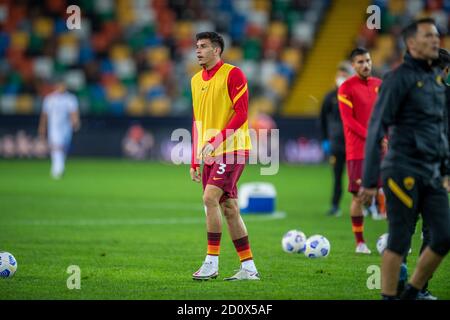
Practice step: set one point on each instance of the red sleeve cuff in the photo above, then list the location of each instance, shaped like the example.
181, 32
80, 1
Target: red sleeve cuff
194, 166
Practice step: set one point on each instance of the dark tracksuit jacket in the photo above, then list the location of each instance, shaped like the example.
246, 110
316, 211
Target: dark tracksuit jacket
331, 123
411, 108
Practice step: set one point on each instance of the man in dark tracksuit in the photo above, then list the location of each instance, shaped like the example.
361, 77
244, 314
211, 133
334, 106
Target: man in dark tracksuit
411, 107
333, 136
443, 64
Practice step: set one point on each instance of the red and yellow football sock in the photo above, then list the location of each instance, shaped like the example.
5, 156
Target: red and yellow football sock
243, 249
213, 243
358, 228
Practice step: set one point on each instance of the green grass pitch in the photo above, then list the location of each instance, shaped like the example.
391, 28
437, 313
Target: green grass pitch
137, 231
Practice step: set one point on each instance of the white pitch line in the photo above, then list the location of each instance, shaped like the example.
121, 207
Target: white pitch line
155, 221
132, 204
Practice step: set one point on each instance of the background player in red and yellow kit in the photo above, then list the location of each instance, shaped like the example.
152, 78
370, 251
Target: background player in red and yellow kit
221, 139
356, 98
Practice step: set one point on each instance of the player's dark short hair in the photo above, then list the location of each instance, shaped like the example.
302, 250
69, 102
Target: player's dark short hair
215, 38
444, 58
357, 51
411, 30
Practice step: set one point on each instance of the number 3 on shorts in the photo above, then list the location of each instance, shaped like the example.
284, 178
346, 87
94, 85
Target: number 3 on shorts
221, 168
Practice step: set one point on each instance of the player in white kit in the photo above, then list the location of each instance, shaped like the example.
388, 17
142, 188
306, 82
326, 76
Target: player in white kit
61, 117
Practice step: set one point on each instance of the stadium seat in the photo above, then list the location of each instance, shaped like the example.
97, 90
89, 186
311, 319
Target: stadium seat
126, 40
24, 104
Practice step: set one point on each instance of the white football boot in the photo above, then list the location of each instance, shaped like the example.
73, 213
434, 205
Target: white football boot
362, 248
426, 295
207, 271
244, 274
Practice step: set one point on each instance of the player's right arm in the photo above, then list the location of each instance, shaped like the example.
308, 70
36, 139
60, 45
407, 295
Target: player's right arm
195, 166
346, 110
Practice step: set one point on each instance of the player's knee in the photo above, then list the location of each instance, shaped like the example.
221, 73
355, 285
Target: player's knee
357, 201
440, 244
230, 210
399, 242
210, 200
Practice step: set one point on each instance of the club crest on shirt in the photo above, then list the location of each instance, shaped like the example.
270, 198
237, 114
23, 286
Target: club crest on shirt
439, 80
408, 182
419, 84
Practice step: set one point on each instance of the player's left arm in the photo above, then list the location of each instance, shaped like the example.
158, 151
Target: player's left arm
42, 129
445, 164
238, 92
75, 119
75, 115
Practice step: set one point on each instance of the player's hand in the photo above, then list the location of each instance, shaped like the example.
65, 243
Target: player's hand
384, 145
446, 183
195, 174
366, 195
326, 147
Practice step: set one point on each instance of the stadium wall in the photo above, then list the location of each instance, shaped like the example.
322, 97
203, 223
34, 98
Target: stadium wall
144, 138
